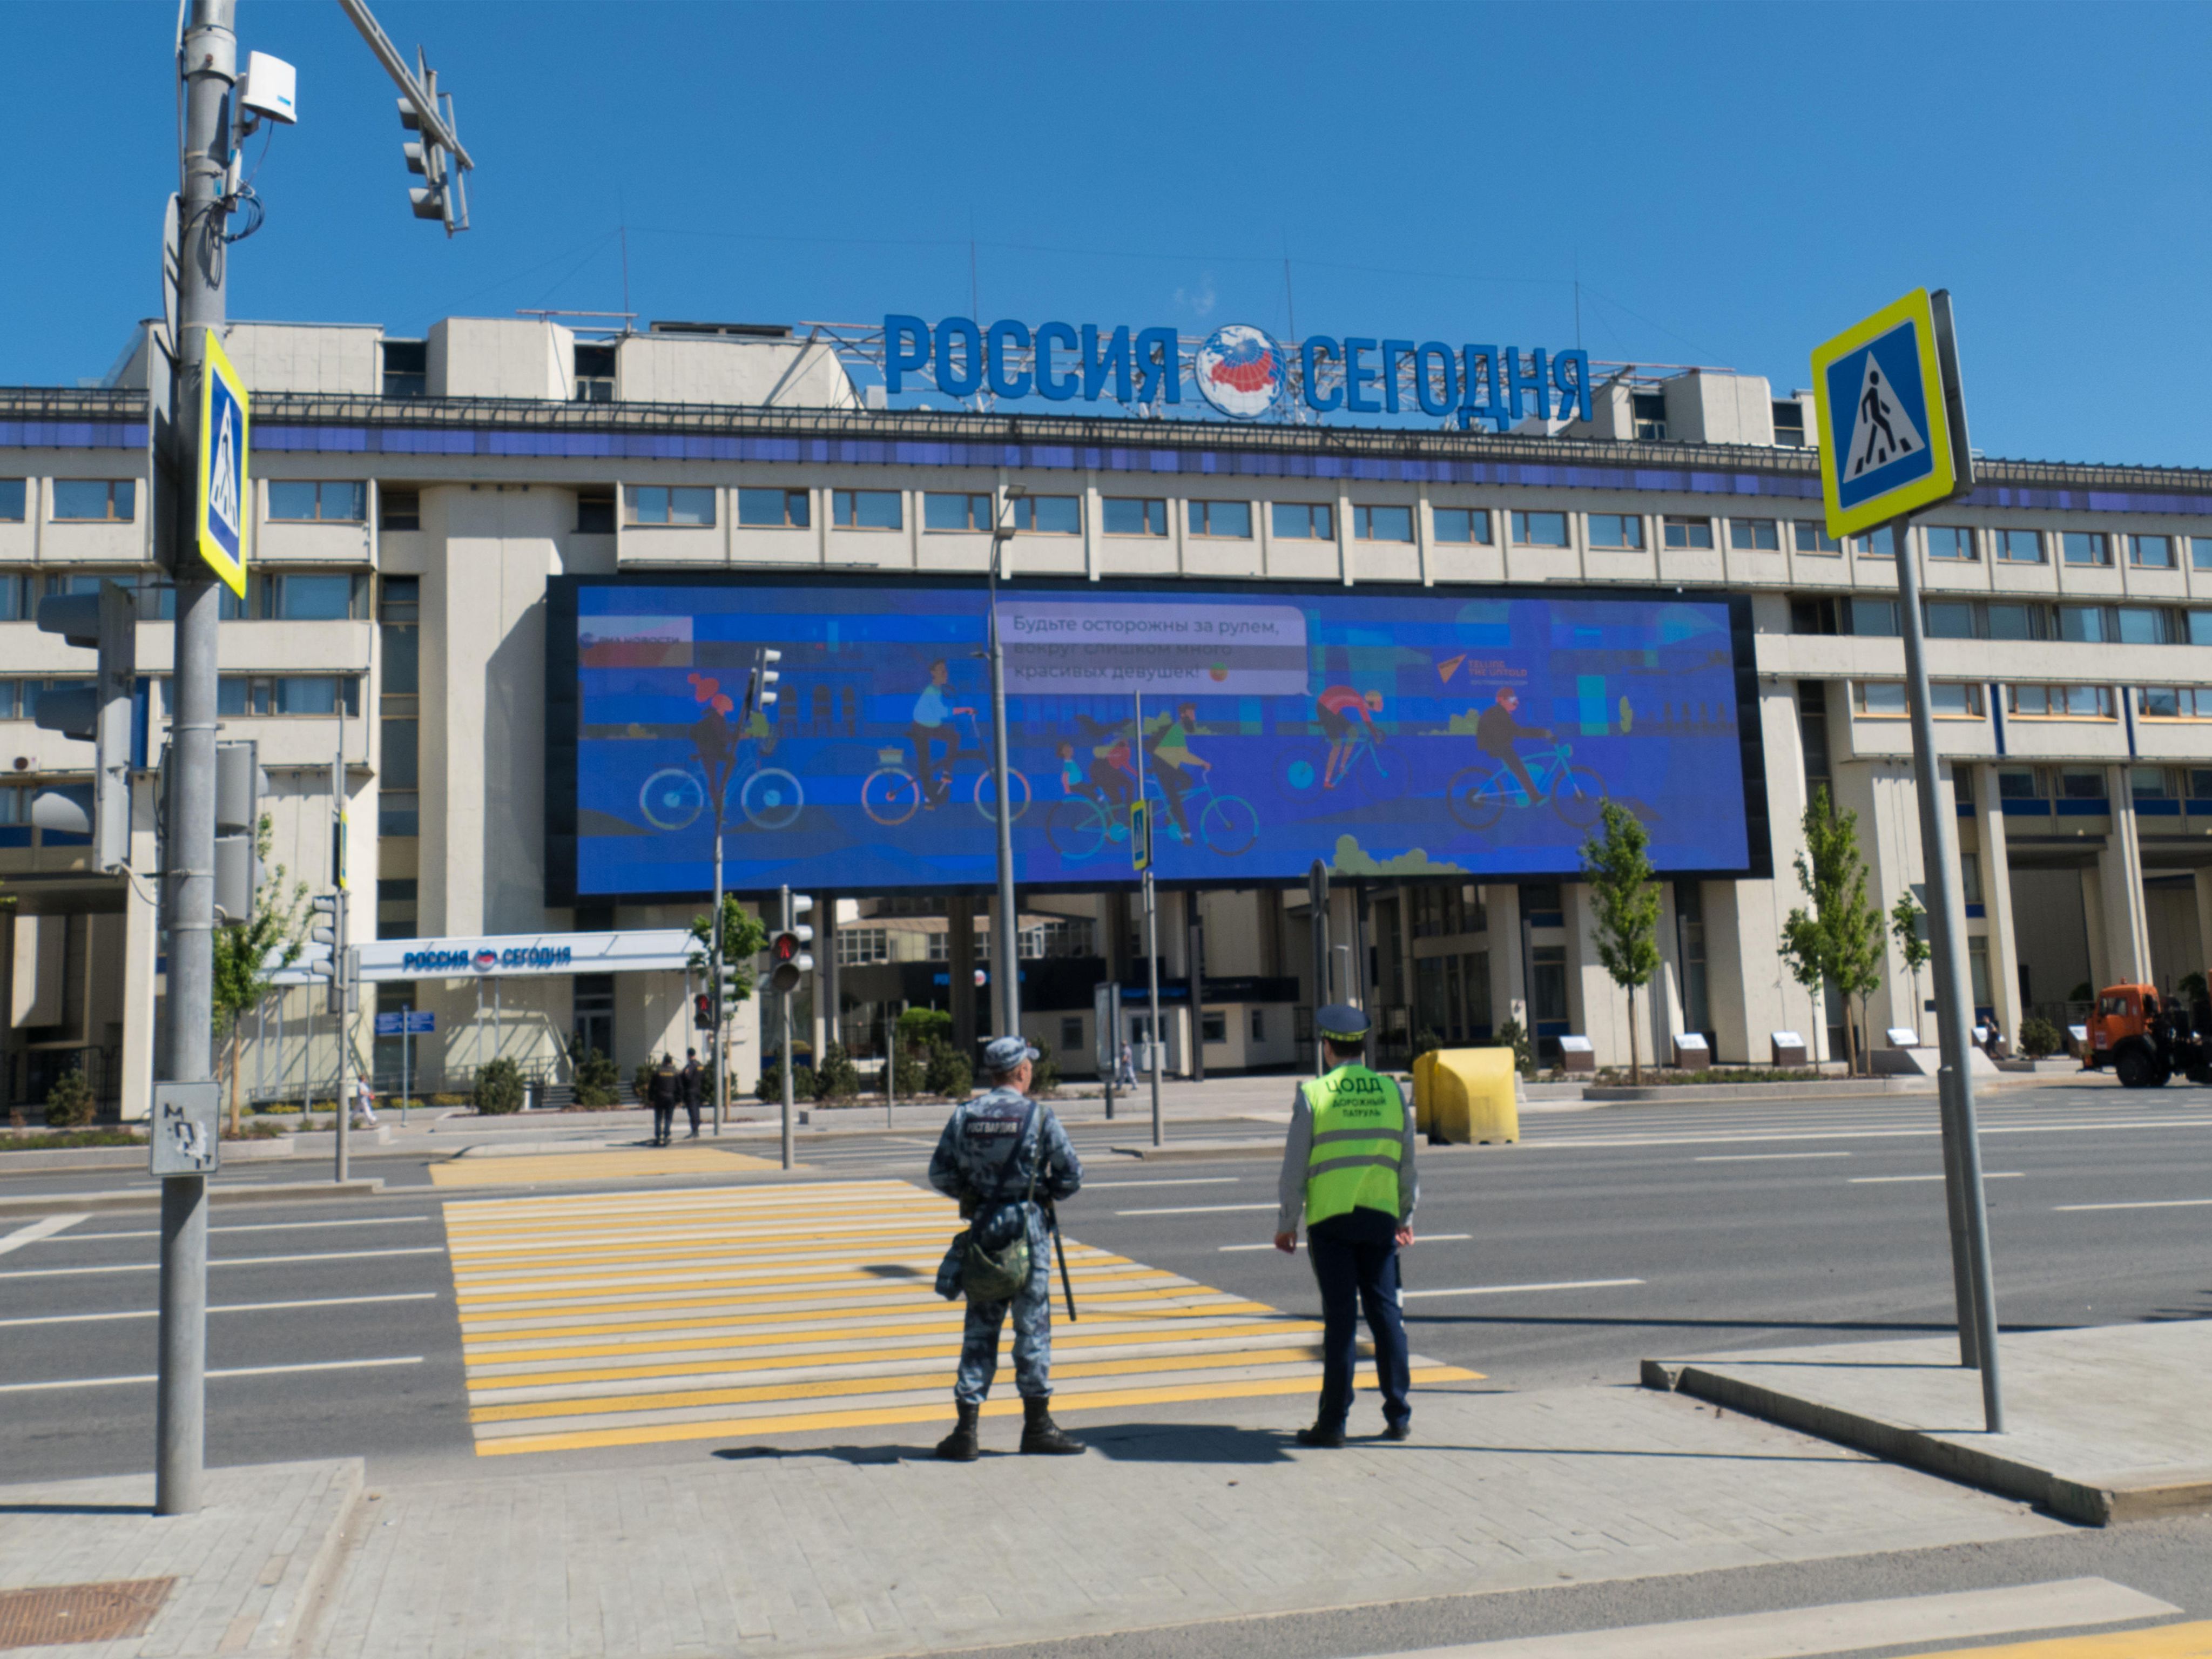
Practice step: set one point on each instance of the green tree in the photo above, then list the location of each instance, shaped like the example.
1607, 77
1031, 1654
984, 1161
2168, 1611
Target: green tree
1839, 939
1907, 924
249, 954
499, 1087
598, 1079
1515, 1035
69, 1102
1617, 865
837, 1078
743, 938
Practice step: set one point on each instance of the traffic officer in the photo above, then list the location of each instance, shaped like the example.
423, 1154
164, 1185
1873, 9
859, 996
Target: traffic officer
994, 1147
1349, 1166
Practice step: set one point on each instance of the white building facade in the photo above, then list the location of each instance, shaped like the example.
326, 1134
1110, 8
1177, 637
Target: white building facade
412, 501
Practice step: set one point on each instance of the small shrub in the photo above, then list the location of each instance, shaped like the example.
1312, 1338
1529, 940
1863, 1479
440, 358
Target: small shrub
1512, 1035
948, 1071
597, 1081
2039, 1038
1044, 1078
69, 1105
498, 1088
254, 1130
837, 1079
920, 1027
910, 1072
770, 1086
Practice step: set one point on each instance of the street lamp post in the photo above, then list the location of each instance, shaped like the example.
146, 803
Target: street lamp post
1006, 940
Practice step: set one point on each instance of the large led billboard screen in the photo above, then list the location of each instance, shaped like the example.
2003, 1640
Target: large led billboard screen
1404, 734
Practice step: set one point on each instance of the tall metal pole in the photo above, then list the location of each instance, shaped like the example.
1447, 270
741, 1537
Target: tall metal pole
783, 1061
720, 1053
341, 1156
1152, 920
1005, 944
1969, 1223
206, 64
1318, 904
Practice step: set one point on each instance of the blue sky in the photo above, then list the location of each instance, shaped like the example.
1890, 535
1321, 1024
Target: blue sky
1732, 184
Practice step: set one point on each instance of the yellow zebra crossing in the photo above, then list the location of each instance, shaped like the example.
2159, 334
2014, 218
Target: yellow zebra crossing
618, 1319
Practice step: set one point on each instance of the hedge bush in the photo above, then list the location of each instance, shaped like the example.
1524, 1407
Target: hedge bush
498, 1088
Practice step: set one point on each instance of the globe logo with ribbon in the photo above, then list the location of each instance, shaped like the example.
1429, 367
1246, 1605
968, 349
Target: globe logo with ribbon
1242, 371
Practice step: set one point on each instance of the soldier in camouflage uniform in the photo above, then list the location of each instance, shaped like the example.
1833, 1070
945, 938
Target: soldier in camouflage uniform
977, 1163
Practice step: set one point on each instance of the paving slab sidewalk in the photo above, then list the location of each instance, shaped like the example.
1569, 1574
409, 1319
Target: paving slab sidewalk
837, 1550
246, 1566
2102, 1423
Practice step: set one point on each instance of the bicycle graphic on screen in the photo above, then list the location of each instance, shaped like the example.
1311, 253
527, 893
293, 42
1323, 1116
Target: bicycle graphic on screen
892, 793
1479, 795
1081, 826
767, 797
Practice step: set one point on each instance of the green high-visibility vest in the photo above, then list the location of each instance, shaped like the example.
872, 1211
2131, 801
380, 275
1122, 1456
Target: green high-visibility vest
1358, 1139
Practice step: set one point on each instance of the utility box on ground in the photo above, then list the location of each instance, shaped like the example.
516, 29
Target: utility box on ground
1465, 1095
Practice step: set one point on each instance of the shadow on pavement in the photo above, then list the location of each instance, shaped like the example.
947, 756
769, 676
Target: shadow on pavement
842, 1453
1186, 1442
76, 1508
1901, 1328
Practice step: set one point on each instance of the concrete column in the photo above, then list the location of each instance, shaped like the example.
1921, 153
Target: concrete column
2120, 872
2093, 917
1509, 969
960, 962
2203, 896
1997, 902
827, 1026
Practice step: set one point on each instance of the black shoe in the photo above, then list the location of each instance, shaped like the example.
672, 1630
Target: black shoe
961, 1445
1320, 1436
1042, 1436
1401, 1429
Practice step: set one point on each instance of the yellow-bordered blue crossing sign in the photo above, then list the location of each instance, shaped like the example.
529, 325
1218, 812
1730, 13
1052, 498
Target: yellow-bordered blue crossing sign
1892, 421
223, 511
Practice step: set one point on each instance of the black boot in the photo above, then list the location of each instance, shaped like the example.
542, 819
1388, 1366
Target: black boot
960, 1446
1322, 1434
1042, 1437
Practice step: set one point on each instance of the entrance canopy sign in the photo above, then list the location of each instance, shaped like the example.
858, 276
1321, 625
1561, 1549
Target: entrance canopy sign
1892, 424
509, 955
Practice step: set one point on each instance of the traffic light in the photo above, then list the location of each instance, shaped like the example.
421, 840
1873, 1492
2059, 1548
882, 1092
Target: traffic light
733, 987
238, 786
328, 928
98, 713
702, 1011
788, 959
765, 675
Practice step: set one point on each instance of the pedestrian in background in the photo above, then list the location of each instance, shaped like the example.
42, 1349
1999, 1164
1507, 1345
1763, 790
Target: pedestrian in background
664, 1089
1348, 1165
1127, 1079
364, 1104
999, 1154
694, 1080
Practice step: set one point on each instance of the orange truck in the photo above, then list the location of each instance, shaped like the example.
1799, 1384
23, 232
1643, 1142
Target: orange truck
2146, 1038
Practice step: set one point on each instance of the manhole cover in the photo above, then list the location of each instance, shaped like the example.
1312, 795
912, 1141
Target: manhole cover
48, 1614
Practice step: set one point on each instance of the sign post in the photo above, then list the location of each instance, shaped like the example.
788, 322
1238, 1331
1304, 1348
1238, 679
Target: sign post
1106, 1035
1892, 431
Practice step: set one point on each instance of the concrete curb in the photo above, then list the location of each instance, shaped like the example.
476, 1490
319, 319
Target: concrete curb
2085, 1502
310, 1555
148, 1197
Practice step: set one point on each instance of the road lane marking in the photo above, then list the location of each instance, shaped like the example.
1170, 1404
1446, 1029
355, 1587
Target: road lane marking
237, 1371
1507, 1289
44, 1228
1177, 1180
1895, 1621
2145, 1204
227, 1261
1876, 1181
1763, 1158
1419, 1239
228, 1307
782, 1330
265, 1227
1605, 1142
549, 1168
1199, 1209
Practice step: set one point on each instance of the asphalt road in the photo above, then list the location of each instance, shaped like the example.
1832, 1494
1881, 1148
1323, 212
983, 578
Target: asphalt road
1605, 1236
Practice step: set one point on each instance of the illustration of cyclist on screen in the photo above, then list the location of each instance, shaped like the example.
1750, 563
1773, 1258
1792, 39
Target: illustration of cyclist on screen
1496, 733
1106, 778
1338, 707
1168, 742
933, 715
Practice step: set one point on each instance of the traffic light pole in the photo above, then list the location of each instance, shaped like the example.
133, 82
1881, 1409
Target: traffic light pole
208, 65
783, 1055
1006, 946
721, 1055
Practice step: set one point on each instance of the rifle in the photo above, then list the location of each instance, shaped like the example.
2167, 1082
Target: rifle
1060, 1247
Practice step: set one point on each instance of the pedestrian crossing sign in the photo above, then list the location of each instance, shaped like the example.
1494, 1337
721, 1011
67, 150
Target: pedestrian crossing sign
221, 514
1892, 424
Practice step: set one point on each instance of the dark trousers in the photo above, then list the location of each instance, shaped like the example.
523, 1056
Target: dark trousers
1355, 1260
691, 1108
664, 1124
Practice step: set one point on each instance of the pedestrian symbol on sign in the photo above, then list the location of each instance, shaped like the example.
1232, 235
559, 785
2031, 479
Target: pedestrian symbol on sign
222, 481
1881, 431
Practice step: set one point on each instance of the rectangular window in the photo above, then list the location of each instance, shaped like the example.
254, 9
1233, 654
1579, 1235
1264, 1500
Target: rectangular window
2150, 783
675, 507
299, 596
1879, 698
2142, 624
15, 598
1813, 616
11, 500
1977, 970
1616, 530
1470, 525
595, 373
1383, 524
1212, 1025
399, 812
1950, 619
2199, 626
306, 694
2016, 622
1951, 542
866, 509
1686, 533
95, 500
1754, 535
785, 509
333, 501
2061, 701
399, 762
2087, 547
2200, 784
595, 511
406, 368
399, 507
1970, 867
1259, 1024
1813, 536
1875, 618
2081, 783
1054, 515
859, 947
2151, 552
1309, 521
2017, 546
1650, 408
2086, 624
1230, 518
941, 511
2018, 783
1134, 515
1876, 545
2200, 552
1789, 423
1951, 700
1539, 530
2174, 702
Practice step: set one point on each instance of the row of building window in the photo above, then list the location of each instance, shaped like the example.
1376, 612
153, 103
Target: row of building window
236, 695
75, 500
2192, 783
271, 595
1963, 700
2007, 619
